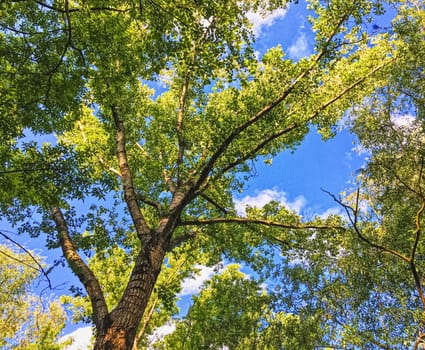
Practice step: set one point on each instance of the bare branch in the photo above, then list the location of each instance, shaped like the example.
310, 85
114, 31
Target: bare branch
352, 214
39, 266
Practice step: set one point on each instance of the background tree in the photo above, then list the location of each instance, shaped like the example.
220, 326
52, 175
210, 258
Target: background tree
170, 160
233, 312
27, 321
366, 282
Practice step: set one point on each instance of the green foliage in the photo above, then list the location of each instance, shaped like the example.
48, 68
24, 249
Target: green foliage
27, 321
160, 109
365, 282
233, 312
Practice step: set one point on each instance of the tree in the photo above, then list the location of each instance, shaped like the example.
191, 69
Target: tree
232, 312
170, 160
366, 282
27, 321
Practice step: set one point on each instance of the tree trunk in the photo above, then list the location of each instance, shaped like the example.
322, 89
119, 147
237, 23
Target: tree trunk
118, 329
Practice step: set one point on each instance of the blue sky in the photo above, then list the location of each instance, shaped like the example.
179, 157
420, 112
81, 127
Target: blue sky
294, 178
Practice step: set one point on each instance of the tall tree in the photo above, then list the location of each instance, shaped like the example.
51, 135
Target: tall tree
171, 160
366, 282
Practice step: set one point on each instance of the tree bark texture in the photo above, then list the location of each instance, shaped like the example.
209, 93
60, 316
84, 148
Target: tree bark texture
119, 328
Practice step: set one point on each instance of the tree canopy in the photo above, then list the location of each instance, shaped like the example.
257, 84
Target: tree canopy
129, 125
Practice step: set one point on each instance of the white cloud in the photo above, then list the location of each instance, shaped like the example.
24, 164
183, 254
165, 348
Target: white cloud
82, 339
192, 285
331, 211
406, 121
159, 333
260, 21
300, 48
265, 196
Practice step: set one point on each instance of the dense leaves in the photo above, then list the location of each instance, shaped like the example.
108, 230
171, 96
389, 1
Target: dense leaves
233, 312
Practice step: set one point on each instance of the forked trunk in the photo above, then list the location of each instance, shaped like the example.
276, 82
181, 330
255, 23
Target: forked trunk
118, 329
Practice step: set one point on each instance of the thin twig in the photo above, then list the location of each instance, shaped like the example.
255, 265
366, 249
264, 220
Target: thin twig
353, 220
40, 267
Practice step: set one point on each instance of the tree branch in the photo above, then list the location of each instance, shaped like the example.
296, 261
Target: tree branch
179, 127
247, 221
265, 110
130, 194
80, 268
292, 127
404, 183
420, 175
238, 130
150, 202
353, 218
40, 267
68, 30
95, 8
146, 320
413, 268
214, 203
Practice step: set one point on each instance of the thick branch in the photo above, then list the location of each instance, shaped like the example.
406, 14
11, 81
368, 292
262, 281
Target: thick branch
179, 127
130, 194
80, 268
247, 221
